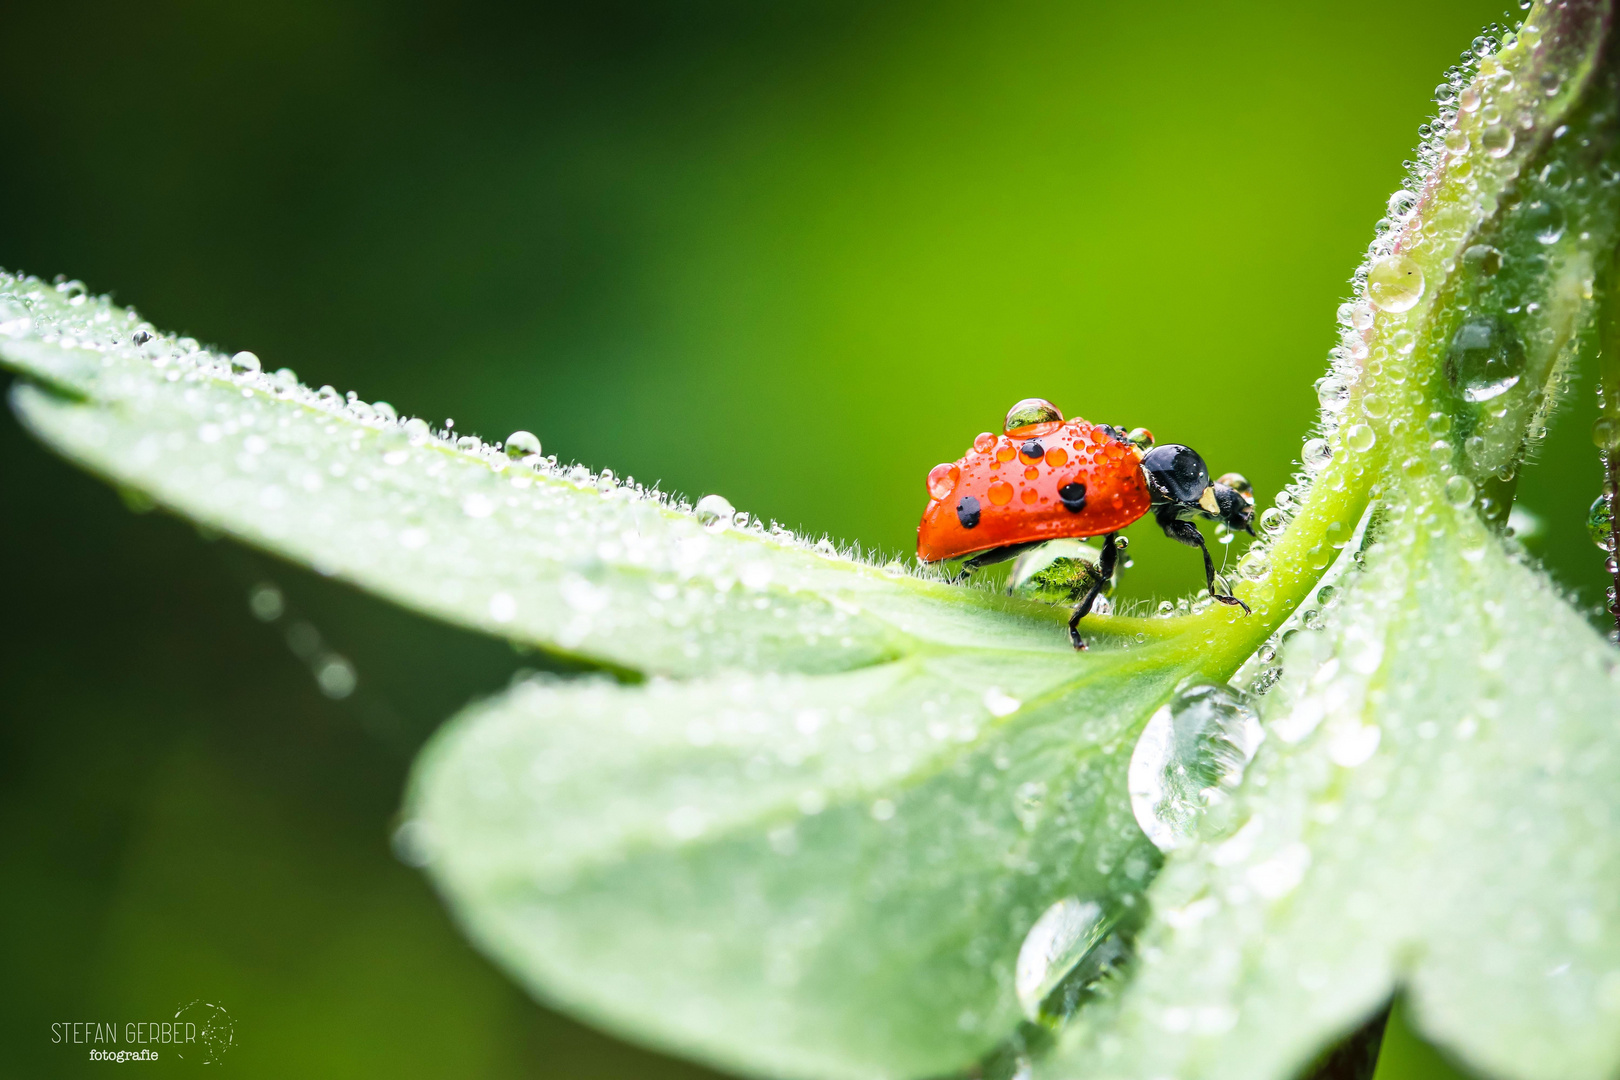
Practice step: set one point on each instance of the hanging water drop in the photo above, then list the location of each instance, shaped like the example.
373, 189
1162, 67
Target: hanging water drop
1190, 756
1485, 358
1600, 523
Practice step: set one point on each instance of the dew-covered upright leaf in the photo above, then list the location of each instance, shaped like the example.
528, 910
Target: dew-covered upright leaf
1436, 807
789, 875
500, 540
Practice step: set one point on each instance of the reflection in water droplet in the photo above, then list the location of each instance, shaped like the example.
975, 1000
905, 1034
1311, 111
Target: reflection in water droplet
1315, 455
1190, 756
984, 442
1029, 412
244, 362
1395, 283
1485, 359
1606, 433
1360, 438
522, 444
715, 513
1065, 936
1600, 523
1459, 491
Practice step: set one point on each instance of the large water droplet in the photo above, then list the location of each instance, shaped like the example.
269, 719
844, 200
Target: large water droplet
245, 363
1600, 523
1483, 259
1546, 219
1057, 572
1190, 756
1497, 140
715, 513
942, 480
1395, 283
1360, 438
521, 445
1029, 412
1063, 939
1459, 491
1485, 359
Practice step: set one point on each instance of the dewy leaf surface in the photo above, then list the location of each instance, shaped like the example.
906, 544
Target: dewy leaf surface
562, 558
818, 857
1437, 807
791, 875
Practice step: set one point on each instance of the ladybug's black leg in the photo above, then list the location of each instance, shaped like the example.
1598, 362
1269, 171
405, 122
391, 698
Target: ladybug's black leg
991, 557
1105, 574
1187, 533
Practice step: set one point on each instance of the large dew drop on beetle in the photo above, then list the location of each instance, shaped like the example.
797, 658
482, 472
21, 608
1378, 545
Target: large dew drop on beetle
1061, 950
1485, 359
1029, 413
1395, 283
1189, 758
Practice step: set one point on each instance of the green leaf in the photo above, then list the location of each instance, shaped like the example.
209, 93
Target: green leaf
561, 558
1436, 808
618, 848
791, 875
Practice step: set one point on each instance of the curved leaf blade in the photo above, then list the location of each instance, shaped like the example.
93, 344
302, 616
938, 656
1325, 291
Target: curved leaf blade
796, 876
553, 557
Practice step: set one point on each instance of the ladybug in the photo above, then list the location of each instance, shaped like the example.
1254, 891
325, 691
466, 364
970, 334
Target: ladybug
1047, 478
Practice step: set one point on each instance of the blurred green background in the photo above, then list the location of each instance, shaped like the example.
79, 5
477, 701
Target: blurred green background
795, 253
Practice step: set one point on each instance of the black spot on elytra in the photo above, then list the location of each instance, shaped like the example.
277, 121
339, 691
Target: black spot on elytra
1033, 450
967, 512
1073, 496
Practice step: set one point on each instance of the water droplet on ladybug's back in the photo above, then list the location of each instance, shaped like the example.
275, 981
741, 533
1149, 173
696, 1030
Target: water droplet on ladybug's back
984, 442
1001, 493
1029, 413
942, 480
1057, 457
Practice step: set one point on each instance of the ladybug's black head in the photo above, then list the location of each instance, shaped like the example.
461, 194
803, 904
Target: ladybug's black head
1177, 475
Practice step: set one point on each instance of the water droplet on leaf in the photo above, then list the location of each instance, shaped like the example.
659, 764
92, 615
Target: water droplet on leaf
1190, 756
1485, 359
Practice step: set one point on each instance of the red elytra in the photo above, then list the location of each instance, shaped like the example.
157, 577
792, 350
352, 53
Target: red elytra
1046, 481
